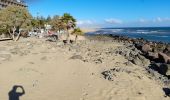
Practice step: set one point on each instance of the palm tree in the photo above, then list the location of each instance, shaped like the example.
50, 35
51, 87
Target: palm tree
48, 20
34, 23
69, 22
57, 24
41, 22
77, 31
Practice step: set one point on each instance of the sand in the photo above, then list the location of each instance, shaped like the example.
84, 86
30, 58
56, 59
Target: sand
46, 72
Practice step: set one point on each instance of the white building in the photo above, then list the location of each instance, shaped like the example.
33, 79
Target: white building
5, 3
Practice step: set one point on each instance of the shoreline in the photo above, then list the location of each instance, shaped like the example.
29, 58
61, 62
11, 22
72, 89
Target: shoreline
149, 34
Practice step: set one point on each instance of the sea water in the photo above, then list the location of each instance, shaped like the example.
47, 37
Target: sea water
158, 34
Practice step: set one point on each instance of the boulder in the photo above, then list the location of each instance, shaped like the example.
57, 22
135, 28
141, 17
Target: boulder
138, 46
137, 61
168, 62
155, 66
168, 71
163, 57
152, 56
167, 51
146, 48
98, 61
167, 91
163, 69
77, 57
145, 62
159, 47
140, 61
108, 75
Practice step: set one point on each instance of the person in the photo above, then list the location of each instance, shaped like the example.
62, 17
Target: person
50, 33
14, 95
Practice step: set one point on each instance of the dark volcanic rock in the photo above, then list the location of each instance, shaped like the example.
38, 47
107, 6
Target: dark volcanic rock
146, 48
112, 73
98, 61
161, 68
144, 60
152, 56
140, 60
131, 53
77, 57
160, 47
167, 51
163, 58
167, 91
168, 61
153, 71
137, 61
108, 75
155, 66
138, 46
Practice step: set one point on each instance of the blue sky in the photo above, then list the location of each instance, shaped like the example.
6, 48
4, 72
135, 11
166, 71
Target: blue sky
107, 13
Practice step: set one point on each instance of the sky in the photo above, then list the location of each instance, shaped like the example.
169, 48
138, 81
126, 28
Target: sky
107, 13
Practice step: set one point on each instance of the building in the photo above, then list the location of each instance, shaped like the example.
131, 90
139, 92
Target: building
5, 3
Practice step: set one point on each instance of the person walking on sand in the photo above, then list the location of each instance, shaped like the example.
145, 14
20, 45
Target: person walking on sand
14, 95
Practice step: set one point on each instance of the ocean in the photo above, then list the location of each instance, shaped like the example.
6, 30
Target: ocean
158, 34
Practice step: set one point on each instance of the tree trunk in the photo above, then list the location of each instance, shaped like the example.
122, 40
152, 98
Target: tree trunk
76, 38
18, 36
68, 36
59, 33
10, 34
13, 33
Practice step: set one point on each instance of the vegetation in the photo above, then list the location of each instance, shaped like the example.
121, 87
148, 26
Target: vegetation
48, 20
14, 20
57, 24
64, 23
77, 31
69, 22
35, 23
39, 22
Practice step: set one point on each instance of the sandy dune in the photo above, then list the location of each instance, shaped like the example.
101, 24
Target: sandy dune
46, 72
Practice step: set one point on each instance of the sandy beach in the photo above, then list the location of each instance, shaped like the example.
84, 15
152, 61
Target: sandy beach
84, 50
54, 71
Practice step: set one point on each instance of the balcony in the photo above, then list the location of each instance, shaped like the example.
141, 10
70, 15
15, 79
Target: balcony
5, 3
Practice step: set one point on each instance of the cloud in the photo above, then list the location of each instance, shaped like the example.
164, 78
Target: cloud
153, 21
88, 24
159, 19
84, 22
143, 20
148, 22
113, 21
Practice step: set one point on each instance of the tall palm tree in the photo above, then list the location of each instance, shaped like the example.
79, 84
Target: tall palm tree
77, 31
69, 23
57, 24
